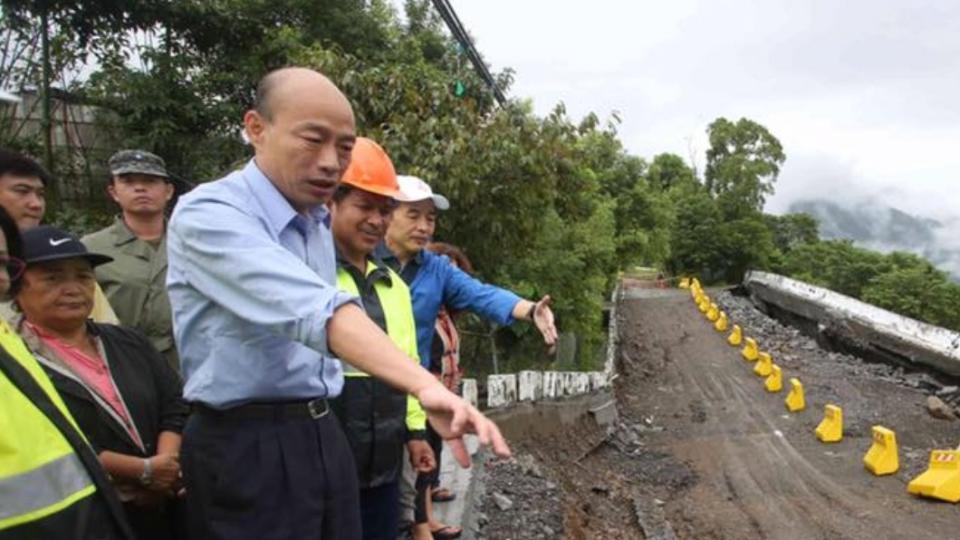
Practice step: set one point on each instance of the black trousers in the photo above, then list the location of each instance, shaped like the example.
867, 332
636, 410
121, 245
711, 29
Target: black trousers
157, 523
269, 479
380, 511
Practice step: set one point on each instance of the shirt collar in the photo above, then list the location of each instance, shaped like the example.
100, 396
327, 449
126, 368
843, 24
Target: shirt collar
277, 209
383, 253
121, 233
379, 272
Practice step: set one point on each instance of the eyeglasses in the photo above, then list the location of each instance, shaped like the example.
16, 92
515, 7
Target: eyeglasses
14, 266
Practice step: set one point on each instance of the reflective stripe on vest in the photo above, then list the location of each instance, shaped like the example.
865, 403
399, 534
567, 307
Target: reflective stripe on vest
39, 472
43, 491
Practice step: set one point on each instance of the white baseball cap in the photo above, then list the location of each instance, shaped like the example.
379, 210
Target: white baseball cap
413, 189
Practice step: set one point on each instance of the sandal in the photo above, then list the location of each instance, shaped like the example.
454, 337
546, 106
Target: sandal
447, 532
442, 495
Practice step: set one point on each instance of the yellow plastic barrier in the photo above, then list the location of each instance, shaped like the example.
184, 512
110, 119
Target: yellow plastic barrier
795, 399
736, 337
704, 303
831, 427
722, 323
774, 382
750, 351
882, 457
696, 283
942, 479
764, 366
713, 313
685, 283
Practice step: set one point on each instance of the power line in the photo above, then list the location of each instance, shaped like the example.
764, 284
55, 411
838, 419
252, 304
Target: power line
449, 16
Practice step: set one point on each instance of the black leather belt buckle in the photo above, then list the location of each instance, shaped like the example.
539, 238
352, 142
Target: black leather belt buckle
318, 408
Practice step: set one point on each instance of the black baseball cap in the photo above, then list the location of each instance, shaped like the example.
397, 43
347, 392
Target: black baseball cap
48, 243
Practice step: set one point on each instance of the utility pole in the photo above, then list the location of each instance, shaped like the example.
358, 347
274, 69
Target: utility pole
46, 123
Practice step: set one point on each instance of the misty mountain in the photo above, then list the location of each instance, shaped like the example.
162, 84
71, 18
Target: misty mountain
886, 229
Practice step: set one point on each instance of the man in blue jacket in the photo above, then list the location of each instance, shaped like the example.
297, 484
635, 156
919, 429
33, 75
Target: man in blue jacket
435, 283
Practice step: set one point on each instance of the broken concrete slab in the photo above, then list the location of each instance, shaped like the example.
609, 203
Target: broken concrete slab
860, 324
605, 414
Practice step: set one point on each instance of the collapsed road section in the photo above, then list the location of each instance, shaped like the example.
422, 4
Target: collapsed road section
701, 450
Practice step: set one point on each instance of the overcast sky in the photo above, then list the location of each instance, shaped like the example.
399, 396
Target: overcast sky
862, 94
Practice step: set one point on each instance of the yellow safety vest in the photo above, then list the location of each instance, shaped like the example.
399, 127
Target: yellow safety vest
40, 474
398, 311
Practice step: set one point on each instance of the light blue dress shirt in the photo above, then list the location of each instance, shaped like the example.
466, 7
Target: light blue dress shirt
252, 284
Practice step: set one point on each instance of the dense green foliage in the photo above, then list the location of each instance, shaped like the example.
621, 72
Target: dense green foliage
543, 205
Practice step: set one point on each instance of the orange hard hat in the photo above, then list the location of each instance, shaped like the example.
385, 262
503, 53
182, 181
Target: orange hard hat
371, 169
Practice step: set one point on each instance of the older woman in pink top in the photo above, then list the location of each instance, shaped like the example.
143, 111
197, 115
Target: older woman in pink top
118, 387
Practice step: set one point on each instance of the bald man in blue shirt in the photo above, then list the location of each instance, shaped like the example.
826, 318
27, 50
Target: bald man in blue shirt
259, 325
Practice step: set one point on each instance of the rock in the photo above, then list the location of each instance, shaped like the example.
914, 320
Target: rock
938, 409
923, 382
502, 501
600, 489
529, 466
548, 531
947, 390
482, 519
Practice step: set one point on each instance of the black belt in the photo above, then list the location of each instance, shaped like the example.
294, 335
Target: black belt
314, 409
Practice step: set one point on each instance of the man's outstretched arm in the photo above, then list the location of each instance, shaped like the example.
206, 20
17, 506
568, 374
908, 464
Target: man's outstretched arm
354, 338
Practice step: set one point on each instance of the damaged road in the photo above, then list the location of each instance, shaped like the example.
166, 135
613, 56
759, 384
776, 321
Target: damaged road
701, 450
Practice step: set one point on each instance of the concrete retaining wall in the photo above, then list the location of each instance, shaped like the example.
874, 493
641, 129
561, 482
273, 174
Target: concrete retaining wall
884, 331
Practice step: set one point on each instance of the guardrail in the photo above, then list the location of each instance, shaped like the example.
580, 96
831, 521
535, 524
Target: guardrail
530, 385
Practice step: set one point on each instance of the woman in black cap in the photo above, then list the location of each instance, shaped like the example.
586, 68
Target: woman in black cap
124, 396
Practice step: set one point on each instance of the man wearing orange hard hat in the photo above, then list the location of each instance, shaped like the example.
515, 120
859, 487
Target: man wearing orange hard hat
377, 419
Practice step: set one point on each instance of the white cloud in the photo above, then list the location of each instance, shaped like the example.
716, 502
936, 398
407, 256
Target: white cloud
861, 93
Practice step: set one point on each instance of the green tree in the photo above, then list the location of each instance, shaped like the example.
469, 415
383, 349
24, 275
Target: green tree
743, 244
669, 170
694, 248
743, 162
792, 230
922, 293
835, 264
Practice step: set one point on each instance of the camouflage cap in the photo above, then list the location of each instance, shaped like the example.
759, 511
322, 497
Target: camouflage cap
137, 162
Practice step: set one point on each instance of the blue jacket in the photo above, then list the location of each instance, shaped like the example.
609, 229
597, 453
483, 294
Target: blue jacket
438, 283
